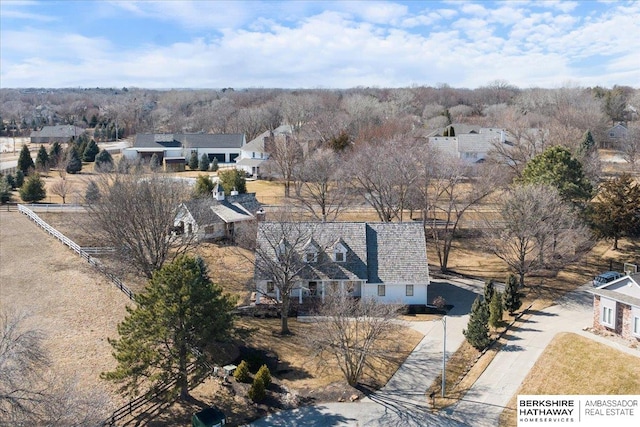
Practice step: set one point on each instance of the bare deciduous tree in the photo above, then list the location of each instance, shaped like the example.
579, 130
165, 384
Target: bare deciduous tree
354, 333
29, 393
322, 188
630, 146
285, 156
135, 214
535, 230
62, 187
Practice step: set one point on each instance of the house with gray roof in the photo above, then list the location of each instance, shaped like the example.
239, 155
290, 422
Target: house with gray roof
58, 133
255, 152
222, 147
385, 261
218, 217
616, 307
468, 143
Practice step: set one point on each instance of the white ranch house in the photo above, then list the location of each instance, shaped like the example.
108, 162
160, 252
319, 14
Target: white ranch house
616, 307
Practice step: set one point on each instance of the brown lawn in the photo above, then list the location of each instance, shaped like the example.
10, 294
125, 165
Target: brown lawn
572, 364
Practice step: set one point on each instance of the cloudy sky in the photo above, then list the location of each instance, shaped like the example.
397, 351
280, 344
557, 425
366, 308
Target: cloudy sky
310, 44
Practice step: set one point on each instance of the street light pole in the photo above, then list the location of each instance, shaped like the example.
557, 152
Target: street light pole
444, 353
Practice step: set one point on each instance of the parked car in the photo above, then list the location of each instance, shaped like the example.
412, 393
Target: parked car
606, 277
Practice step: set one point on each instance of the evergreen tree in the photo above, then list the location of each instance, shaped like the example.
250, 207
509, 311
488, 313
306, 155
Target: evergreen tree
233, 179
55, 154
33, 189
477, 332
214, 164
19, 179
74, 165
89, 154
241, 374
104, 161
92, 195
587, 143
42, 160
615, 213
511, 298
558, 168
179, 311
495, 309
204, 163
154, 162
193, 161
340, 142
257, 391
265, 375
204, 186
94, 121
5, 190
10, 180
25, 162
489, 290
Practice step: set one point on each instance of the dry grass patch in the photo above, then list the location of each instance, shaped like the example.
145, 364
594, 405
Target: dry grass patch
572, 364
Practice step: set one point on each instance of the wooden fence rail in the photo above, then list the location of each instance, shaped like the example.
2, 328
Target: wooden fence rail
76, 248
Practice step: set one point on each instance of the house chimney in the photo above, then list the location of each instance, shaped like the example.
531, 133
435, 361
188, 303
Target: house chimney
261, 215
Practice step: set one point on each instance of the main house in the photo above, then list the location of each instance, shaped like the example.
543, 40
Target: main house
385, 261
174, 150
616, 307
217, 217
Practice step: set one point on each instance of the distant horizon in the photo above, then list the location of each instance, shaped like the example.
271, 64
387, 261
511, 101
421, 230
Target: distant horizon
328, 45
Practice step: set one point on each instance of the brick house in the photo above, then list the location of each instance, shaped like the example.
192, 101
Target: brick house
616, 307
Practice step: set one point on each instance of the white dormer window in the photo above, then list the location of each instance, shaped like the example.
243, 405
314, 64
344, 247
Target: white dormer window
339, 253
310, 252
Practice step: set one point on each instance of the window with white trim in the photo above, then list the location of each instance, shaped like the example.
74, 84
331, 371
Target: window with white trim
339, 253
381, 290
270, 287
409, 290
635, 326
310, 256
608, 312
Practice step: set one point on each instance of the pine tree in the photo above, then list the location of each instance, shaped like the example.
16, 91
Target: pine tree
257, 391
233, 179
19, 179
241, 374
74, 165
92, 195
477, 332
89, 153
10, 180
55, 154
265, 375
25, 162
204, 163
489, 290
42, 160
511, 298
179, 311
5, 190
193, 161
587, 143
204, 186
214, 164
104, 161
495, 309
154, 162
33, 189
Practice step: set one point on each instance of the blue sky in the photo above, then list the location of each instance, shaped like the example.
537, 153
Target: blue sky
306, 44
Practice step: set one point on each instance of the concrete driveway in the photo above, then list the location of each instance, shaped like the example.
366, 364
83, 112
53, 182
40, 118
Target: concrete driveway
402, 401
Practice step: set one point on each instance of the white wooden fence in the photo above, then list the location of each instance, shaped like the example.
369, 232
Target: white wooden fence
76, 248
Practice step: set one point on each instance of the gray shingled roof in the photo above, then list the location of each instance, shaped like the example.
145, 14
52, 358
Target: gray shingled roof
376, 252
617, 295
257, 143
59, 131
189, 140
206, 211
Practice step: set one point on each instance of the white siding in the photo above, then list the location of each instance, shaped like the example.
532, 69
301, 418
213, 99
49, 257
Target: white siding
396, 293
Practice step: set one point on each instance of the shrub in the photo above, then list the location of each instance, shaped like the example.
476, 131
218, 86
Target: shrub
439, 302
33, 189
257, 391
241, 374
104, 161
477, 332
495, 309
265, 375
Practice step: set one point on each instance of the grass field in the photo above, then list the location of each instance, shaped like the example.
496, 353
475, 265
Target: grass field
572, 364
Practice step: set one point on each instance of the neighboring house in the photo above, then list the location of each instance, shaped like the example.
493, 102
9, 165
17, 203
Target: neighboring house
60, 133
385, 261
254, 154
617, 133
217, 217
174, 149
468, 143
616, 307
